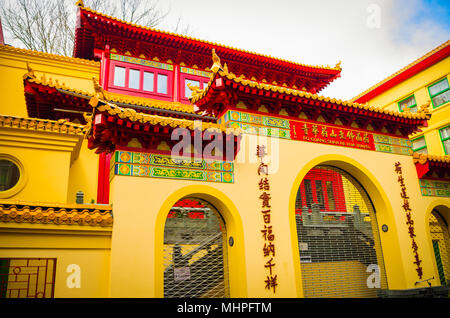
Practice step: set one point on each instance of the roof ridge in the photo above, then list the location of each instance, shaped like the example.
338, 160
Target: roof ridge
137, 116
58, 126
56, 204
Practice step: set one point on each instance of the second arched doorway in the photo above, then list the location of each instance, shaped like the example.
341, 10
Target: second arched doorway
338, 239
440, 240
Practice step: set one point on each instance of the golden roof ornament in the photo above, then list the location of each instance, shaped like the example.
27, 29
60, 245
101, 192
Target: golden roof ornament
216, 62
225, 68
338, 66
195, 90
99, 93
79, 3
30, 73
425, 108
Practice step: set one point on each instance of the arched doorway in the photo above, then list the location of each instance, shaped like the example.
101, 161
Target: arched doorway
338, 239
195, 262
441, 245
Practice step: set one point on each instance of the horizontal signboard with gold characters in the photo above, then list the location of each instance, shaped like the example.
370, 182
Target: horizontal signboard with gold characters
304, 130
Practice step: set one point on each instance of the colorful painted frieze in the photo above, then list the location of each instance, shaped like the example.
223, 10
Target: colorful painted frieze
192, 71
434, 188
256, 124
392, 144
138, 61
138, 164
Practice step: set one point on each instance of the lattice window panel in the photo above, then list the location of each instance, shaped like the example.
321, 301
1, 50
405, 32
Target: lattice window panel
338, 237
27, 277
441, 246
194, 252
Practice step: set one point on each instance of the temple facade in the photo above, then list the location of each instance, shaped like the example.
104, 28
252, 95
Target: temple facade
152, 164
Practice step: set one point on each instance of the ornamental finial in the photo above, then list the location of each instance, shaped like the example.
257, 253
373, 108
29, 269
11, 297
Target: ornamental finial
79, 3
216, 62
425, 108
338, 66
195, 90
225, 68
29, 73
98, 89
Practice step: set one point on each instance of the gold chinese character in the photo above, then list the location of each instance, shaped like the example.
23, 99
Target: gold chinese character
366, 138
305, 129
315, 131
333, 134
350, 135
358, 137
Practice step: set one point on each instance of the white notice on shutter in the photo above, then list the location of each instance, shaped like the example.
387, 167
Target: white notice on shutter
182, 273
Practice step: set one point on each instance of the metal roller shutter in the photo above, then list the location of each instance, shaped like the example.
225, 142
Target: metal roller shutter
339, 245
194, 258
441, 245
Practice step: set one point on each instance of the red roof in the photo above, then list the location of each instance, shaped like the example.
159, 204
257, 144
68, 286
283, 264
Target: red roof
95, 31
225, 89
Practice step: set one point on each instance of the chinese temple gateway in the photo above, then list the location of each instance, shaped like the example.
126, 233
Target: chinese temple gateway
152, 164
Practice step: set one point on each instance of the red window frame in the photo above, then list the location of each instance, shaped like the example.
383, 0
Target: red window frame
323, 176
183, 76
140, 92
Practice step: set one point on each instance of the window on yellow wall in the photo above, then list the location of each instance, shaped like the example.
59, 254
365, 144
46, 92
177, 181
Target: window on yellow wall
419, 145
9, 174
409, 102
445, 138
439, 93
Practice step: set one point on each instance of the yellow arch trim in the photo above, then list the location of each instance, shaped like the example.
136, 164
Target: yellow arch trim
389, 240
431, 207
235, 254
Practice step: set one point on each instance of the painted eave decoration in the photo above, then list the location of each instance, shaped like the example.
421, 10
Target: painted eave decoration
111, 126
44, 97
94, 29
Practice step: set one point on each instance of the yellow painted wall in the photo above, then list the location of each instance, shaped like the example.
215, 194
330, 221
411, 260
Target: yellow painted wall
45, 159
129, 261
141, 205
83, 175
418, 85
88, 247
59, 181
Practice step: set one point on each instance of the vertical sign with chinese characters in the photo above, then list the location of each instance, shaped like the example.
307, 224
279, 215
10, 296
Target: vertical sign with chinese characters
268, 248
409, 220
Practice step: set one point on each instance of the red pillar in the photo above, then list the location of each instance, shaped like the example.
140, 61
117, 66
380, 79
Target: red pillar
103, 178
